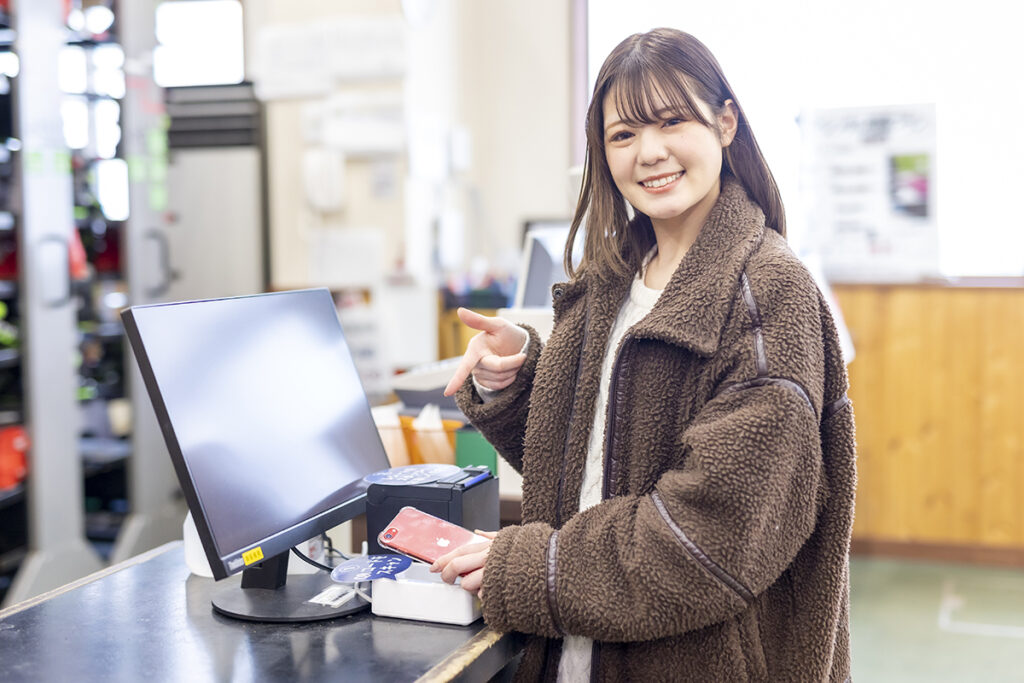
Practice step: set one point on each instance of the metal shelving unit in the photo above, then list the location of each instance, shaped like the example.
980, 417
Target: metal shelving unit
57, 549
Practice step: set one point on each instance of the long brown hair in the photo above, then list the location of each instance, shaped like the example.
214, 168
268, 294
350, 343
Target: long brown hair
663, 63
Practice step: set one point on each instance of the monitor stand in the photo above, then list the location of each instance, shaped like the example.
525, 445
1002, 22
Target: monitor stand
265, 592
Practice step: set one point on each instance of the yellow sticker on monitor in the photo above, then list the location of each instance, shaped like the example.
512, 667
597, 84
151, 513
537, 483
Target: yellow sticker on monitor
254, 555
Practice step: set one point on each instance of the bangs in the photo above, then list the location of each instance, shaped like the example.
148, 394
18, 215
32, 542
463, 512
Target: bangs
648, 93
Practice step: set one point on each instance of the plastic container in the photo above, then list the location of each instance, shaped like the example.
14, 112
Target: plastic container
471, 448
418, 594
430, 445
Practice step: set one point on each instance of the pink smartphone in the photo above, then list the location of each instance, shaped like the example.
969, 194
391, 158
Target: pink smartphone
424, 537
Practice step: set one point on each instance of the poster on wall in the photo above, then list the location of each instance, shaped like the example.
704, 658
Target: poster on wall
868, 181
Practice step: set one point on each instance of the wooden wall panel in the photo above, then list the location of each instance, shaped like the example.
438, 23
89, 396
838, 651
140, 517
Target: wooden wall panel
938, 392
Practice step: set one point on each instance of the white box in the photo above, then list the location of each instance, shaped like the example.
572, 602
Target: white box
418, 594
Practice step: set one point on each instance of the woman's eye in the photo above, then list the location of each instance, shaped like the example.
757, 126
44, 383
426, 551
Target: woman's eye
673, 122
621, 135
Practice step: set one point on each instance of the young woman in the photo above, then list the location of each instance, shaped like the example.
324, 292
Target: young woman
684, 436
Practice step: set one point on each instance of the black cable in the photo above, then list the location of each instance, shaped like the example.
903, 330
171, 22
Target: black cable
331, 550
312, 562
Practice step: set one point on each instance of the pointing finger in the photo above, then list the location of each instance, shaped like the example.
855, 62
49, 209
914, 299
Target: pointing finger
469, 362
480, 322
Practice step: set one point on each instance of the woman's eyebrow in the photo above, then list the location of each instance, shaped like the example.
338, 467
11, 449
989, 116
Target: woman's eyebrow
660, 114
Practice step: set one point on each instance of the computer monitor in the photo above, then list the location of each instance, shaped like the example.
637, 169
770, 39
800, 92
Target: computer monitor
543, 267
269, 431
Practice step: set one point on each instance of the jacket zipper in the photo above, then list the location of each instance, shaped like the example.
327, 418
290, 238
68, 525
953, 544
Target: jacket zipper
607, 480
607, 477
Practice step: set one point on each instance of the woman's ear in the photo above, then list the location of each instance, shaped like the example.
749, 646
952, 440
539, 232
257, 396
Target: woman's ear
728, 122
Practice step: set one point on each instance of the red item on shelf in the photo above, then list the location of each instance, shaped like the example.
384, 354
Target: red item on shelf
8, 259
108, 259
13, 463
77, 258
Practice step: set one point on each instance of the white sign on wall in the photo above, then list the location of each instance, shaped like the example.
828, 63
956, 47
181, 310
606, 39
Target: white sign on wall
868, 178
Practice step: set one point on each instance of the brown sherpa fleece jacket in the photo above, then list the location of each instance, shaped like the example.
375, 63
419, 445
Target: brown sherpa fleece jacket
720, 550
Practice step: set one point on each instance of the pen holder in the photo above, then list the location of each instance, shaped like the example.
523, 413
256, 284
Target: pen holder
430, 445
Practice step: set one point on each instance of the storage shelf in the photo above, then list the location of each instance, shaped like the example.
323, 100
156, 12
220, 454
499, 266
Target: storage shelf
10, 358
103, 525
101, 455
12, 495
10, 417
112, 331
75, 40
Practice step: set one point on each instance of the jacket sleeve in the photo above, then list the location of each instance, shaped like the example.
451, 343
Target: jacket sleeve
502, 419
697, 549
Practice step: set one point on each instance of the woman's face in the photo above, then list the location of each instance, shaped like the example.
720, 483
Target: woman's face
668, 169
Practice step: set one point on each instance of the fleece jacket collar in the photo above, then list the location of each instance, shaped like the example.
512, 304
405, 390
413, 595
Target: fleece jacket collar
692, 310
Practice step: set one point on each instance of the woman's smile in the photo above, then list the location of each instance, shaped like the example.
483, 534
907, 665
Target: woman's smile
661, 183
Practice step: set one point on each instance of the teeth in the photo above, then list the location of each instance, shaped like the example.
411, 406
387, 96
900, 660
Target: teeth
661, 182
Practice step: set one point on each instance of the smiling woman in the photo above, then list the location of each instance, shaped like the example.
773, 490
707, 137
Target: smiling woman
684, 436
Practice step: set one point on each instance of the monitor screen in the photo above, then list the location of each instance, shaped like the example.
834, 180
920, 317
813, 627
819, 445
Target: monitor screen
264, 417
543, 252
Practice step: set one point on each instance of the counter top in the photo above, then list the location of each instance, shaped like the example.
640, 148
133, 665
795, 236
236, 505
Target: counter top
149, 619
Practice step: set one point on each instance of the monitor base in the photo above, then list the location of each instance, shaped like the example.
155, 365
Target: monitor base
289, 603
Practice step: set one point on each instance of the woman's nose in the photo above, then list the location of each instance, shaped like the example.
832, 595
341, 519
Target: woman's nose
652, 146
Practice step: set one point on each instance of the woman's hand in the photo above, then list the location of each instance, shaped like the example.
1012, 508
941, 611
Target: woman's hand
492, 356
467, 562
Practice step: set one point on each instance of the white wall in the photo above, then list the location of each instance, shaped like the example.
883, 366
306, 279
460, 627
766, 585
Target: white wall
788, 54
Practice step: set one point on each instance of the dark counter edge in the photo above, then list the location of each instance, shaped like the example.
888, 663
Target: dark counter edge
483, 656
95, 576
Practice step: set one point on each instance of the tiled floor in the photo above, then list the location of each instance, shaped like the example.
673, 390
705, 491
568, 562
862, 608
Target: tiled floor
923, 621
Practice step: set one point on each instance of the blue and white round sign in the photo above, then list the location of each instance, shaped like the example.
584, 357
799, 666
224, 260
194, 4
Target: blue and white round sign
370, 567
412, 474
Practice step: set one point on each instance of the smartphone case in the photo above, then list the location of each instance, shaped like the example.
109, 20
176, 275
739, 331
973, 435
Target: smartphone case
422, 536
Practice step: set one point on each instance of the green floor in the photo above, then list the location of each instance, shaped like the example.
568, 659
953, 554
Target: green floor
924, 621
